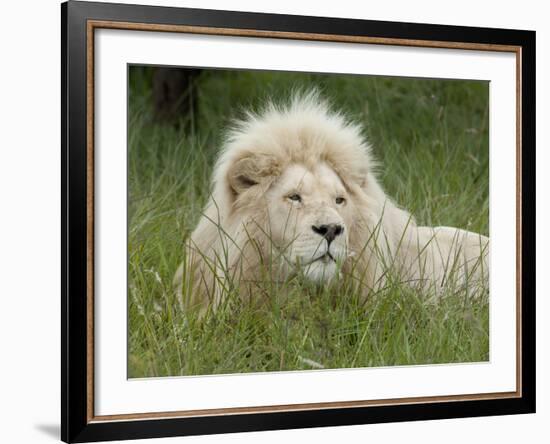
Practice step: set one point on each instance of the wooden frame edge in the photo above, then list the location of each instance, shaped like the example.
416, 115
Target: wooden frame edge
519, 219
91, 25
90, 109
301, 407
235, 32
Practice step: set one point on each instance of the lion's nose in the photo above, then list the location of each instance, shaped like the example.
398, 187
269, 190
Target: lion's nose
328, 231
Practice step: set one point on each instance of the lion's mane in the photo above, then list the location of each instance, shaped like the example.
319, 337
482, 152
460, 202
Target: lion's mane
229, 242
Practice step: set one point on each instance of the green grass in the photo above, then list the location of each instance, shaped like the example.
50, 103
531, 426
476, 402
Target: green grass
431, 137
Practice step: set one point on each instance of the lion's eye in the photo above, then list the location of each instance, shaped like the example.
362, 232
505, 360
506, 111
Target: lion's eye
340, 200
295, 197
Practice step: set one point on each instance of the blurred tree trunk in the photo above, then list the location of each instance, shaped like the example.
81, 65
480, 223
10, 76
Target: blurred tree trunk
174, 95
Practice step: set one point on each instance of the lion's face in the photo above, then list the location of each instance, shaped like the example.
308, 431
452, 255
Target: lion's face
309, 219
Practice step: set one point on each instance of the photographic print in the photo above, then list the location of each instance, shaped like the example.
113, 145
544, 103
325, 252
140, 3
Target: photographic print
283, 221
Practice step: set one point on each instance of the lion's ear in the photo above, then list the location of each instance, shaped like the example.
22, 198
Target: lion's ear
242, 175
249, 171
363, 177
364, 181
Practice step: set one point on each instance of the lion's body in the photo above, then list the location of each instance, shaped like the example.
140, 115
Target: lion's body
287, 172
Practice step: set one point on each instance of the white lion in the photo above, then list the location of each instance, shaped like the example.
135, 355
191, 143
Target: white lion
294, 193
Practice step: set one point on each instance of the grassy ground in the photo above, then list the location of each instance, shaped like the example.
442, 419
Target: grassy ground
432, 139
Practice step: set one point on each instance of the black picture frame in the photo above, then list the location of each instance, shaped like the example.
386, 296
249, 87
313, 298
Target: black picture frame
77, 425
